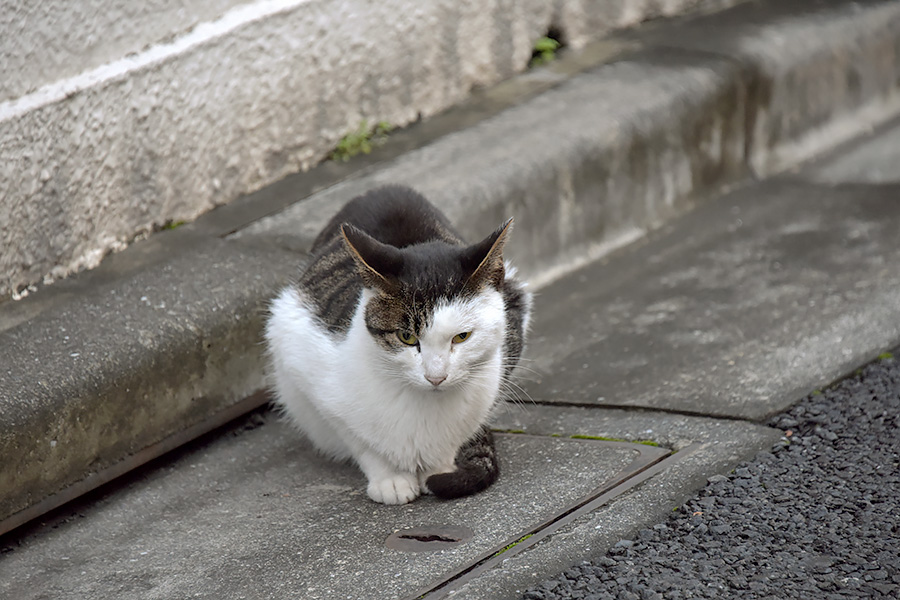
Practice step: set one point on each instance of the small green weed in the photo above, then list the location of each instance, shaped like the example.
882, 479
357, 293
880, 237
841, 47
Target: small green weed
611, 439
361, 141
885, 356
513, 545
173, 225
544, 51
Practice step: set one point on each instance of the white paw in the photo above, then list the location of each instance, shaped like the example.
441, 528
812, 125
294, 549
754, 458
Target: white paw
397, 489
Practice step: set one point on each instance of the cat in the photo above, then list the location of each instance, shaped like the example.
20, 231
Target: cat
395, 343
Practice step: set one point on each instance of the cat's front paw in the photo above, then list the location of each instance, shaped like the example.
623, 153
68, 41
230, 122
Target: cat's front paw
396, 489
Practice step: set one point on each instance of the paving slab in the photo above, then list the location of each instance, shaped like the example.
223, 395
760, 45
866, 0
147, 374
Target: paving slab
705, 447
737, 310
254, 513
260, 501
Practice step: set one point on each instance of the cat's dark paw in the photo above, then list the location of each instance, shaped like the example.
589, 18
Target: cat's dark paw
476, 475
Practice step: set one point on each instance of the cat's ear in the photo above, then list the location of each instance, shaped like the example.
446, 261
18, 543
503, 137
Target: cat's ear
485, 259
378, 264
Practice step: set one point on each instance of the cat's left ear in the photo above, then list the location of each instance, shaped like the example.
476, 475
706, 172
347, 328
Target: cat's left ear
485, 259
378, 264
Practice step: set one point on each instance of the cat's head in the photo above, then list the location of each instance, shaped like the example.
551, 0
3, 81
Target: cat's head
435, 309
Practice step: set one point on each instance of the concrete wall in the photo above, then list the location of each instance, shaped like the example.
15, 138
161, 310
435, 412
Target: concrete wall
118, 116
42, 42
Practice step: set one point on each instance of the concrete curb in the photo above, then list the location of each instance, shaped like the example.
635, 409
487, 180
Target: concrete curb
163, 341
172, 127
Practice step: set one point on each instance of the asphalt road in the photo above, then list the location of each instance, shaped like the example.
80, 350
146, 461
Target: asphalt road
816, 517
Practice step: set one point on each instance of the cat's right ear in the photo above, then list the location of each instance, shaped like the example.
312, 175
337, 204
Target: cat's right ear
378, 264
485, 259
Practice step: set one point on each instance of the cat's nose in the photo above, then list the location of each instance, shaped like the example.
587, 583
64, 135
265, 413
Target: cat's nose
436, 381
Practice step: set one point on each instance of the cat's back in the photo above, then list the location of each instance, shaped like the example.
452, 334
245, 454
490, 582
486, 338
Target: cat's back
394, 215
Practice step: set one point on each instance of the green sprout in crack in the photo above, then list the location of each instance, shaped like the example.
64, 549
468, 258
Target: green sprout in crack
361, 141
513, 545
611, 439
172, 225
885, 356
544, 51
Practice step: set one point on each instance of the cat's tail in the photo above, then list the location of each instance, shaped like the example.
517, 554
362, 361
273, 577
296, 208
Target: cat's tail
476, 469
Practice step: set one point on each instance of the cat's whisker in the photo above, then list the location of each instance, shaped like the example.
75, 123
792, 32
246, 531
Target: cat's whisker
530, 377
511, 405
521, 367
514, 392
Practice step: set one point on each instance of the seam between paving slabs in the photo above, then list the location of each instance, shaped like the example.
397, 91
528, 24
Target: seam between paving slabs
651, 461
649, 409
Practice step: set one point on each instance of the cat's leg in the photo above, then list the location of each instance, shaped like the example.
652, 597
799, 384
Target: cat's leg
387, 485
476, 468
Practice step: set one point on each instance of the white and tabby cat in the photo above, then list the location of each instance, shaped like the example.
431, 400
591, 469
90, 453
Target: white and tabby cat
392, 347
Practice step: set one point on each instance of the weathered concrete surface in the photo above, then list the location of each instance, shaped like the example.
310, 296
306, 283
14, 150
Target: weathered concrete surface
655, 125
204, 520
43, 42
619, 150
873, 160
632, 143
738, 309
103, 377
193, 118
812, 70
262, 502
720, 445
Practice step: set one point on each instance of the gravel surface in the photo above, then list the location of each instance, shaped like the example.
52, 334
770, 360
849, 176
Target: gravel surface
817, 517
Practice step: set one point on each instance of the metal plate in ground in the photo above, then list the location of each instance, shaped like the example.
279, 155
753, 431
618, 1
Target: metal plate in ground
259, 515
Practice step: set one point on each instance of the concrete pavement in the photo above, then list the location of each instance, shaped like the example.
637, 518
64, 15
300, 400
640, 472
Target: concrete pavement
252, 512
733, 310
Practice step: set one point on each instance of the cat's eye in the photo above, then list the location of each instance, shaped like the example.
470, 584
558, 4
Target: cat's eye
407, 338
461, 337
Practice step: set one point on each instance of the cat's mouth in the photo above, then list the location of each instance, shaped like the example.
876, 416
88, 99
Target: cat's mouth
438, 389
